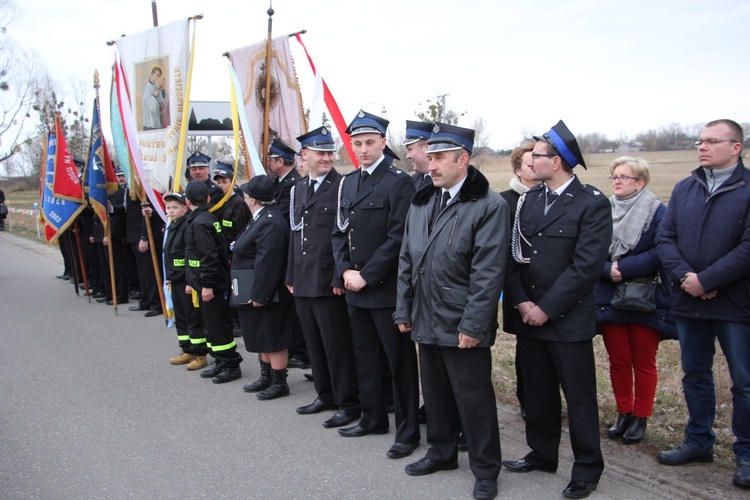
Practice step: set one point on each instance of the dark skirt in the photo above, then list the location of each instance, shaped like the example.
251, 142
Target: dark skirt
271, 328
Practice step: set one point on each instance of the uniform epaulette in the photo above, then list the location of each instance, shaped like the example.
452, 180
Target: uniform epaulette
538, 187
587, 188
394, 170
352, 172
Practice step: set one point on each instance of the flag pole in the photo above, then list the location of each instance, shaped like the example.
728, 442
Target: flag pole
80, 258
108, 228
265, 143
147, 220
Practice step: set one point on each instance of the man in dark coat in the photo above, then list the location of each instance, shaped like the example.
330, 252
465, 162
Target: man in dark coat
450, 275
281, 169
704, 243
561, 236
318, 291
415, 140
284, 175
370, 215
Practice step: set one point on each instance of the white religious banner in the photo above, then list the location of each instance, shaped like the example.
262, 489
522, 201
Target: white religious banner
286, 118
151, 73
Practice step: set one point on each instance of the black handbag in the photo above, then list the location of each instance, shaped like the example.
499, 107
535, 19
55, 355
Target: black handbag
3, 209
637, 294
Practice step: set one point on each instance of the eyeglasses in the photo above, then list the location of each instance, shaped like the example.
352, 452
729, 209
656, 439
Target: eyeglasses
700, 142
534, 156
622, 178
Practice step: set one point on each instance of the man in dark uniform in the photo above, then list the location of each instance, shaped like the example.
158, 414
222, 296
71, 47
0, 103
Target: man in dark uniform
234, 213
115, 202
370, 219
234, 217
282, 171
561, 237
281, 168
199, 168
318, 291
450, 275
415, 140
207, 273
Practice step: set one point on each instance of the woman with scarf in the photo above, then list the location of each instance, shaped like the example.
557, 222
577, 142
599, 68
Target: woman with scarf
632, 338
523, 179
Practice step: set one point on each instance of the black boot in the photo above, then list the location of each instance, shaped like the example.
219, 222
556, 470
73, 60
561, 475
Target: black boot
623, 422
227, 374
635, 432
264, 382
212, 370
278, 386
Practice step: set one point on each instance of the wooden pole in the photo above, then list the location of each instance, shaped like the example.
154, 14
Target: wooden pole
152, 249
73, 264
265, 143
80, 258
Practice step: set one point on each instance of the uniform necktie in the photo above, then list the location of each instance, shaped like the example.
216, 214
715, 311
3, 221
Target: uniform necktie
363, 175
444, 201
551, 197
311, 192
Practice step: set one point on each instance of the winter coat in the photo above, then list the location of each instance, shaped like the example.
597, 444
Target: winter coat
640, 261
450, 279
709, 235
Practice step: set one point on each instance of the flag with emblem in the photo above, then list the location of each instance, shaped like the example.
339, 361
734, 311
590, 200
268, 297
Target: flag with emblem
100, 173
286, 119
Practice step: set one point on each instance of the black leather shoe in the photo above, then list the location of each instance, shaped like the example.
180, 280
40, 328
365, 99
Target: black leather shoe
684, 455
296, 363
524, 466
315, 407
98, 295
102, 300
741, 476
426, 466
485, 489
579, 489
63, 277
635, 432
227, 374
211, 371
357, 431
133, 295
341, 418
620, 426
153, 312
309, 377
137, 308
401, 450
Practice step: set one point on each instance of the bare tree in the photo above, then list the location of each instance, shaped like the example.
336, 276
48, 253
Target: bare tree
436, 111
19, 70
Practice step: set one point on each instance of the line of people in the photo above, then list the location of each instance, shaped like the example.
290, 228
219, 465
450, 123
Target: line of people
359, 268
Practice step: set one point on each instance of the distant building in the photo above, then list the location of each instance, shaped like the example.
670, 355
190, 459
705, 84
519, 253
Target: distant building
629, 147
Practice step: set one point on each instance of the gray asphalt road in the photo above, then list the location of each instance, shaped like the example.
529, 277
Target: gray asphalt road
90, 408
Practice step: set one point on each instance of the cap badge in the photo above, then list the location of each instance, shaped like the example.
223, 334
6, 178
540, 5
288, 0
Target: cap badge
436, 129
361, 114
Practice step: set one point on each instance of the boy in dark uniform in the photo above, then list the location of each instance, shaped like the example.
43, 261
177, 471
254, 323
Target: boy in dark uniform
187, 317
207, 274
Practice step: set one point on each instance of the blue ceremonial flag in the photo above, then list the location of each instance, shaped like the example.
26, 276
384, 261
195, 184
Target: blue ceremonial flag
58, 213
100, 174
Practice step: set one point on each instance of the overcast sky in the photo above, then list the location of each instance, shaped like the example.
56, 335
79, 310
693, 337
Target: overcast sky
613, 66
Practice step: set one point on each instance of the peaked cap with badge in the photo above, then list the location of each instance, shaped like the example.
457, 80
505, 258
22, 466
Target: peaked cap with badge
367, 123
563, 140
450, 138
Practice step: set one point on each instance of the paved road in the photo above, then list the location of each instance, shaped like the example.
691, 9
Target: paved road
91, 409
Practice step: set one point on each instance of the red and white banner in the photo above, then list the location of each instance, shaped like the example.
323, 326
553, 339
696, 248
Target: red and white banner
331, 104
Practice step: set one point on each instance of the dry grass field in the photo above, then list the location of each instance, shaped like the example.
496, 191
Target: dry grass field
670, 414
